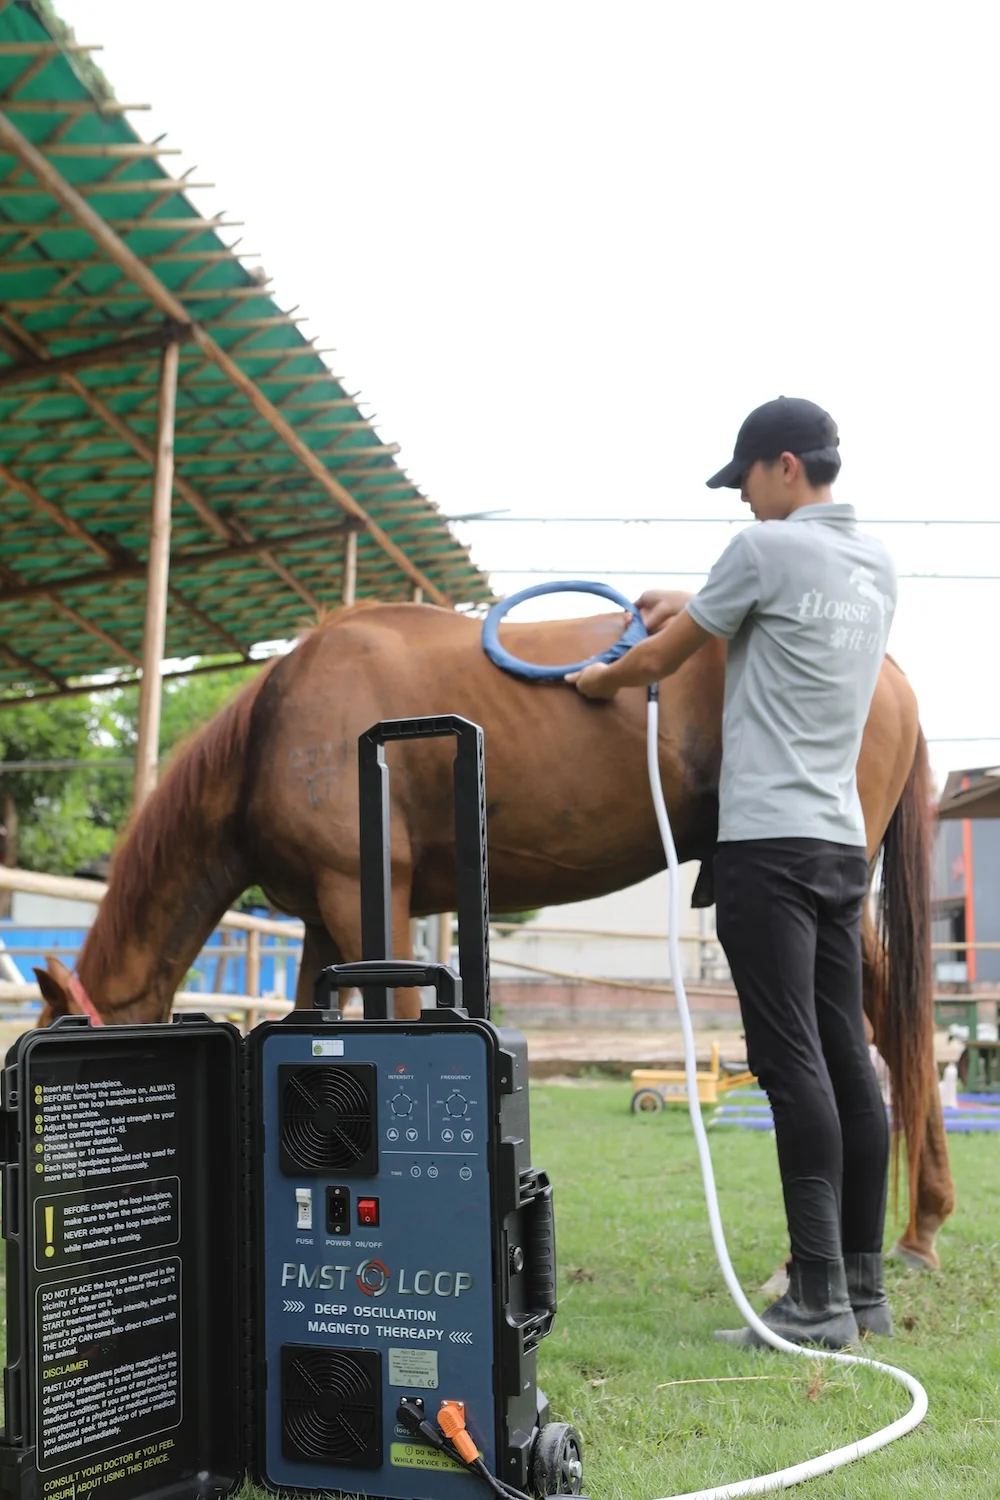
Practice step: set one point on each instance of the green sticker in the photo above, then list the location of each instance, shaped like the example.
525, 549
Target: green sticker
416, 1456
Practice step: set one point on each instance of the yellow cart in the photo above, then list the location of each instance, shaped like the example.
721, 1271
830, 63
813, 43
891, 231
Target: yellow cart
652, 1088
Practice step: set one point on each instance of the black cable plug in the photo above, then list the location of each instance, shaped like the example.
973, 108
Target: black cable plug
411, 1416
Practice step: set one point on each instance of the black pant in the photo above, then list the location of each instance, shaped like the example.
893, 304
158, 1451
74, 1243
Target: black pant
789, 918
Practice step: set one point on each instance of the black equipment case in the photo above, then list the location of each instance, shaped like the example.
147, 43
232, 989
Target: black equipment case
233, 1258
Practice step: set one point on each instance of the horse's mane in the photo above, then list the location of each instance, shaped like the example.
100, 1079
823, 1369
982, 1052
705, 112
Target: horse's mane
147, 851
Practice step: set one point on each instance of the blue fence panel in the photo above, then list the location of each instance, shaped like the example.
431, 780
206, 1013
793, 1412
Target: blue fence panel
219, 968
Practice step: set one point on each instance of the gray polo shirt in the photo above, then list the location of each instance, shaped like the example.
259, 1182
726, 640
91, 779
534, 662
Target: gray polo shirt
805, 605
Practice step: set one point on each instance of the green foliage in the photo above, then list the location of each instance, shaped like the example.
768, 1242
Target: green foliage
515, 918
71, 817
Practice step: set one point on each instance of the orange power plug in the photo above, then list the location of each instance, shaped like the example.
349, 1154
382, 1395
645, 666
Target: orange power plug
451, 1420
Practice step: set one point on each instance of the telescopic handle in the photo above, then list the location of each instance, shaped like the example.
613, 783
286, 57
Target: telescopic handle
387, 973
472, 878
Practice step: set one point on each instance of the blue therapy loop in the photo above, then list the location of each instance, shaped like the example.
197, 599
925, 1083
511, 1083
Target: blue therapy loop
531, 671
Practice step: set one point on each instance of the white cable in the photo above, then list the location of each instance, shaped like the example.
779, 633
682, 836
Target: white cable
812, 1467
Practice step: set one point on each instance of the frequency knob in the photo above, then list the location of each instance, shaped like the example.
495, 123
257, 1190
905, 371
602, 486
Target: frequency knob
457, 1105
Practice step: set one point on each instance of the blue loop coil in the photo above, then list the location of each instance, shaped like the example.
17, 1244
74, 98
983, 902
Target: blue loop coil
531, 671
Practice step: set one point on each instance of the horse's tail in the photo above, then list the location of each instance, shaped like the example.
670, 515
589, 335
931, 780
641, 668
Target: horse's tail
904, 1024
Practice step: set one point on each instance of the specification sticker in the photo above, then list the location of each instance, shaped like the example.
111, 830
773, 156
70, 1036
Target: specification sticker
416, 1368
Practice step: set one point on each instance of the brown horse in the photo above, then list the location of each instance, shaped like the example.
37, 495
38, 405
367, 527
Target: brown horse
267, 794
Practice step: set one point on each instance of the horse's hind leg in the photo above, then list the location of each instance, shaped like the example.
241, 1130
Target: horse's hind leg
935, 1195
339, 902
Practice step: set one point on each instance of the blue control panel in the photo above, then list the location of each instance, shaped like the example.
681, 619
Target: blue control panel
379, 1276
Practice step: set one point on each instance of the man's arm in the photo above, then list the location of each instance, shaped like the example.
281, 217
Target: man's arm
657, 607
649, 662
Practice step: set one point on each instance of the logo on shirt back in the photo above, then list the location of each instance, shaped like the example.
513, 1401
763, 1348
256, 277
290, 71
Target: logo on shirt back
858, 613
863, 580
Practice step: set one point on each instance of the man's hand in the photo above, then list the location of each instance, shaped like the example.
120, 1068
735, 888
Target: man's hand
593, 682
657, 607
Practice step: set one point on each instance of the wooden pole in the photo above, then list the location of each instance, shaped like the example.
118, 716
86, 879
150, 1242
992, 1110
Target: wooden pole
349, 592
253, 964
444, 938
112, 245
10, 823
154, 633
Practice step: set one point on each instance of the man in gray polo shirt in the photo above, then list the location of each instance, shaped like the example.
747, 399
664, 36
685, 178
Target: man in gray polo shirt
805, 602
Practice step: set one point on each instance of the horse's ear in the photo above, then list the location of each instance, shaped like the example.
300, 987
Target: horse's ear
57, 992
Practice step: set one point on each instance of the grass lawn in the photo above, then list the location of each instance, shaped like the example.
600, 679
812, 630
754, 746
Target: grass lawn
640, 1295
662, 1408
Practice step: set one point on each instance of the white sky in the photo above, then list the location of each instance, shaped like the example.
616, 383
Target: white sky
563, 248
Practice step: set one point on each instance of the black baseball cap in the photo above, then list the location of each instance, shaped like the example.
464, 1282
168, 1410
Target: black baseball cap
788, 425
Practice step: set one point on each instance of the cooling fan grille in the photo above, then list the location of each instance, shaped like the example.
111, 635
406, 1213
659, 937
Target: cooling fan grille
328, 1118
331, 1405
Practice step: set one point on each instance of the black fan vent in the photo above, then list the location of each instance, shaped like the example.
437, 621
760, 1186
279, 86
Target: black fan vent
331, 1405
328, 1119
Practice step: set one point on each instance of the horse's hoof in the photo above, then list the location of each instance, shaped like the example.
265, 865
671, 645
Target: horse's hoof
776, 1284
914, 1259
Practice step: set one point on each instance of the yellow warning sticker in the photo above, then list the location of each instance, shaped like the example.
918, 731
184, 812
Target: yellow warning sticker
416, 1456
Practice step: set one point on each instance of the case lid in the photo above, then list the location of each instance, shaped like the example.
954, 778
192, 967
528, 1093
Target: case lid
124, 1222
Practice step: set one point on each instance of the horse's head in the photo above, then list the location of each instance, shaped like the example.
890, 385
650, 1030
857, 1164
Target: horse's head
63, 994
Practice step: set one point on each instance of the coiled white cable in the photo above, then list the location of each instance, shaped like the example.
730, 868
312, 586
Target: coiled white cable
811, 1468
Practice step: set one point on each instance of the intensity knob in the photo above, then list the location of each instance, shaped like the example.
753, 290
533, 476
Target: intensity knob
401, 1104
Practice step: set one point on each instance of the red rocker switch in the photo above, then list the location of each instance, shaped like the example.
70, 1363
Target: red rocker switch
368, 1212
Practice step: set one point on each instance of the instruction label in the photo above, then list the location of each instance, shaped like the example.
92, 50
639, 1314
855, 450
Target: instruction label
104, 1128
108, 1360
73, 1483
415, 1368
105, 1222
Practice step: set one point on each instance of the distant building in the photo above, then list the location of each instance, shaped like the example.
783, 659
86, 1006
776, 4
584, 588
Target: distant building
966, 876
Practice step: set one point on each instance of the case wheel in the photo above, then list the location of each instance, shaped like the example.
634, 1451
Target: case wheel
646, 1102
557, 1460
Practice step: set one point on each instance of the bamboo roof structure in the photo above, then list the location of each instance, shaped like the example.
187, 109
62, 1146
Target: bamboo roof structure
286, 500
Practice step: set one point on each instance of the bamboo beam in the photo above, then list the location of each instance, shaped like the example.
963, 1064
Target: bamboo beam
123, 430
10, 577
56, 513
45, 303
165, 186
75, 689
349, 590
267, 556
108, 355
147, 751
212, 626
171, 226
104, 236
158, 257
29, 667
70, 107
150, 318
179, 562
44, 49
116, 150
89, 628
